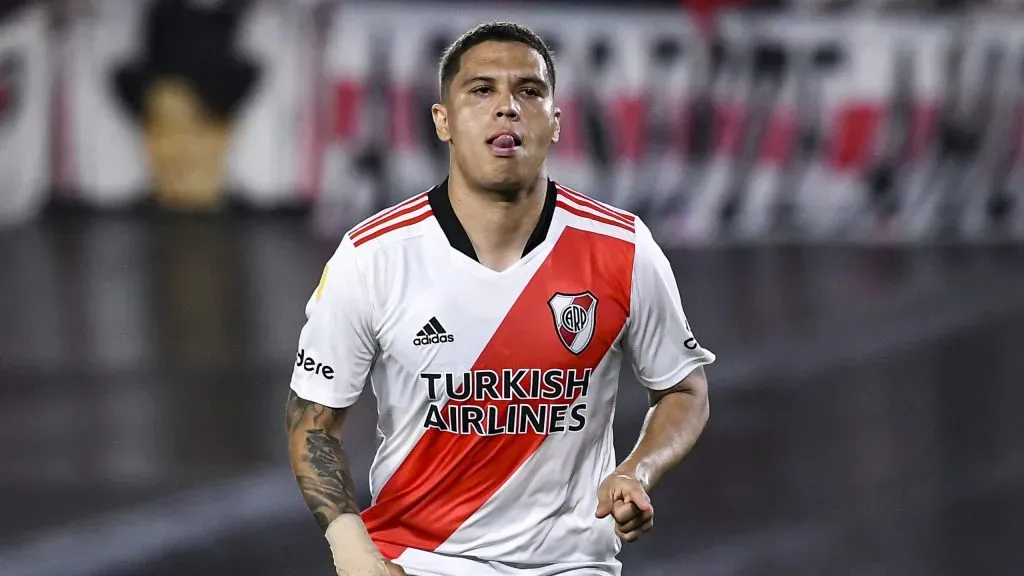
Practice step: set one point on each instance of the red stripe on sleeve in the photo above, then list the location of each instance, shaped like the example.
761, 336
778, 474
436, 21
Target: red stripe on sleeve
578, 198
591, 216
405, 207
397, 225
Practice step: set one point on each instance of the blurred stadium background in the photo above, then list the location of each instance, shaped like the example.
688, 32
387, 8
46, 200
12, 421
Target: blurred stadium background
839, 184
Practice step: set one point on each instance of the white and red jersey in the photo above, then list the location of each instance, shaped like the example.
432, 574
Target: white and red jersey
495, 390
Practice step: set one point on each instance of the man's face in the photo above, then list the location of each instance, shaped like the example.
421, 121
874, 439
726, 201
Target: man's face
502, 88
186, 147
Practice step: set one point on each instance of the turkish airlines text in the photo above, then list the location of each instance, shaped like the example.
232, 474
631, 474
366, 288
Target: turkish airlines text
496, 402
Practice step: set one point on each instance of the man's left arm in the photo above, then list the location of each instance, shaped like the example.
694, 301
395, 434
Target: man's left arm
674, 422
668, 361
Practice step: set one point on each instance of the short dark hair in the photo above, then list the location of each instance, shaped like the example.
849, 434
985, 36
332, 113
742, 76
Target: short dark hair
451, 60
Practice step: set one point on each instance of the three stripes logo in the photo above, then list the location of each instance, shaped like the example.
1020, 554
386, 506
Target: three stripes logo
432, 333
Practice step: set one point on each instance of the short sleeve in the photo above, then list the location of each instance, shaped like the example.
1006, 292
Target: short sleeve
337, 345
662, 348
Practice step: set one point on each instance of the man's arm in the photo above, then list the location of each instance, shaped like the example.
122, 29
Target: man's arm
337, 347
318, 459
321, 468
667, 360
674, 422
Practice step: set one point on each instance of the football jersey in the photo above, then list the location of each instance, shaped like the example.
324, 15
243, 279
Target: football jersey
495, 390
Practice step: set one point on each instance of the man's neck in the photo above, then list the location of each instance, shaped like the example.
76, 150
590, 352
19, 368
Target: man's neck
498, 224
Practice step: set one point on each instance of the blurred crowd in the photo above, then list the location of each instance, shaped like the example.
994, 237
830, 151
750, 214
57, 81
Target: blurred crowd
714, 120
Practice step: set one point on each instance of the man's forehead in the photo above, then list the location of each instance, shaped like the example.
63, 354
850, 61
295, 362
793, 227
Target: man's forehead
501, 58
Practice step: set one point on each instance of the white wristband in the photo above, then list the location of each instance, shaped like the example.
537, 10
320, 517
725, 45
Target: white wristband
351, 546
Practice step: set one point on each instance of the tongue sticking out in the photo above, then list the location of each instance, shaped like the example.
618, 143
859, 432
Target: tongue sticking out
504, 141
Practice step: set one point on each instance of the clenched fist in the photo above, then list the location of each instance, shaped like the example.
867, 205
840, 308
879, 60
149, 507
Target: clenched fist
626, 500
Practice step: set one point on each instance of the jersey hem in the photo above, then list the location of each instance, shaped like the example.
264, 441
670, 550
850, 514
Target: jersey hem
335, 401
676, 376
422, 562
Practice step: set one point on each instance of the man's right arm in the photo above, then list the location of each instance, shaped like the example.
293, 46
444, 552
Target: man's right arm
318, 459
337, 347
321, 468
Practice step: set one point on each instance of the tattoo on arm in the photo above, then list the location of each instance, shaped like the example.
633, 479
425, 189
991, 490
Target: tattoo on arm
318, 459
334, 491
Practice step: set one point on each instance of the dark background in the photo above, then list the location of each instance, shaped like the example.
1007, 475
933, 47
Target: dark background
864, 406
864, 421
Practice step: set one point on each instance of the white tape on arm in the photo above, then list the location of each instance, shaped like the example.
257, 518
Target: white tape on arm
352, 548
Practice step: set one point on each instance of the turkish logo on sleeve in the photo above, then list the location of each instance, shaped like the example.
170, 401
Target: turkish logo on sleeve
575, 316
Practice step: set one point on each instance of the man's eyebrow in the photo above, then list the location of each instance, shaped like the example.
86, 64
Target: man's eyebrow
531, 79
472, 79
528, 79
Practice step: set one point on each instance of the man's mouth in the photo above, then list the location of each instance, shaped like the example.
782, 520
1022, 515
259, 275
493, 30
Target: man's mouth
505, 143
505, 140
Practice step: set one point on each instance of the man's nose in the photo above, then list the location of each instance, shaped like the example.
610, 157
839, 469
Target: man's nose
508, 108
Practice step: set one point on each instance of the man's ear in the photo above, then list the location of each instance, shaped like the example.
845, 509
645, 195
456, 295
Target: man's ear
440, 115
558, 125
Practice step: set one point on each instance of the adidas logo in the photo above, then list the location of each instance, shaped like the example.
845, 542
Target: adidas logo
432, 333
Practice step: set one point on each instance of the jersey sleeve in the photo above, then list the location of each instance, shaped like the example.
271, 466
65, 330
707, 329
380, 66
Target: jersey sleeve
661, 346
337, 345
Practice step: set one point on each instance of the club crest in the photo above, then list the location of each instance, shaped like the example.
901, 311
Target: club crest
575, 316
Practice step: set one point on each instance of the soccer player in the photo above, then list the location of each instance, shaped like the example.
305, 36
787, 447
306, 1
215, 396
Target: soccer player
491, 315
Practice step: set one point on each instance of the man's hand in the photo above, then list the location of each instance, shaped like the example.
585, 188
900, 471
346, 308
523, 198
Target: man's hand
395, 569
626, 500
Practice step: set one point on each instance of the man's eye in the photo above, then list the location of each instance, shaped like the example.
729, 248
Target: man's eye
482, 90
531, 91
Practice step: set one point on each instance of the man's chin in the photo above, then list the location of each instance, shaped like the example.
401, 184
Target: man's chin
508, 180
506, 188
